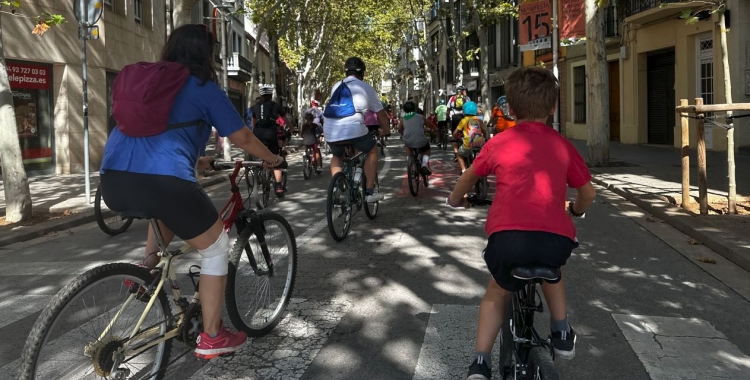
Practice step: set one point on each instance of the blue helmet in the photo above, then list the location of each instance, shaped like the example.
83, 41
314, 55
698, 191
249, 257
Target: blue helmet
470, 108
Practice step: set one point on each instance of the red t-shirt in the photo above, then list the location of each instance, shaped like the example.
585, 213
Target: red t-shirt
533, 164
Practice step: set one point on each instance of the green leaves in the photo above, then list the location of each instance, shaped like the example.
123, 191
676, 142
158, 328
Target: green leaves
43, 21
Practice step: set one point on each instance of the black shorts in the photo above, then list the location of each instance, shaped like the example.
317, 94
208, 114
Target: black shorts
363, 144
269, 137
423, 149
509, 249
442, 124
373, 129
455, 119
183, 206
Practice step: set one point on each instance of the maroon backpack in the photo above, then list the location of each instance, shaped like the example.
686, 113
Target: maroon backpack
143, 94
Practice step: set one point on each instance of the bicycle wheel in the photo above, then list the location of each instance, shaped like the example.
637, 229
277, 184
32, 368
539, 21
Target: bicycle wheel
250, 182
371, 209
540, 364
481, 188
256, 299
264, 189
444, 138
413, 176
382, 147
68, 340
506, 357
113, 225
339, 210
306, 166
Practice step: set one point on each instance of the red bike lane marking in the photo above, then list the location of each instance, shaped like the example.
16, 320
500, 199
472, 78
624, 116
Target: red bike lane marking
442, 181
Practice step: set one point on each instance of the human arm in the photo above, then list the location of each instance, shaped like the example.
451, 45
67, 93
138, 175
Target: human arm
464, 184
579, 178
585, 196
430, 125
400, 127
459, 130
385, 129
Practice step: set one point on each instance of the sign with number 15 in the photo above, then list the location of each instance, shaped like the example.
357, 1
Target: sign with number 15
534, 20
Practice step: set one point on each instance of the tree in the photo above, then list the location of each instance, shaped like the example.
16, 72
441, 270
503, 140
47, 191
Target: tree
597, 97
691, 15
15, 181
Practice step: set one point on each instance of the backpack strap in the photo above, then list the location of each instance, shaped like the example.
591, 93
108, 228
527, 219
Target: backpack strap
199, 122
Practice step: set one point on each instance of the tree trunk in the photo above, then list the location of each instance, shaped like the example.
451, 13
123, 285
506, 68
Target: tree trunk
597, 99
15, 182
732, 198
182, 11
484, 62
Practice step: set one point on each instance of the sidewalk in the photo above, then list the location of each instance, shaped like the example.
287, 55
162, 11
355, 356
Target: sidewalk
645, 174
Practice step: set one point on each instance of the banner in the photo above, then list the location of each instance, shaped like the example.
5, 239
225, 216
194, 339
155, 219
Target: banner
534, 20
572, 19
22, 75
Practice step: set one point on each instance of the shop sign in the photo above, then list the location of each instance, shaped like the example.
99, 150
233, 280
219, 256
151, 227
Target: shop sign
24, 104
28, 76
471, 86
534, 20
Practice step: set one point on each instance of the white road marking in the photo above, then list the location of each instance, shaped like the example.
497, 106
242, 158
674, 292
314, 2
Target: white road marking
449, 343
682, 348
15, 308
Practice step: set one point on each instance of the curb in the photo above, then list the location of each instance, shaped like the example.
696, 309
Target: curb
686, 223
41, 229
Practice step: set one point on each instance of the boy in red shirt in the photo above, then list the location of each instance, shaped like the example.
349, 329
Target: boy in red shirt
527, 223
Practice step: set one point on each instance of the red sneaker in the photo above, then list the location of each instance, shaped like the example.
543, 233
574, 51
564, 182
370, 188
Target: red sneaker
224, 343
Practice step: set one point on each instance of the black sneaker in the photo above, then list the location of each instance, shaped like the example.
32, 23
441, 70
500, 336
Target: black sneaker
479, 371
564, 344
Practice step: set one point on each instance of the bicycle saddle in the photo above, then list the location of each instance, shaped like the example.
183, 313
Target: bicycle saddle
135, 214
536, 272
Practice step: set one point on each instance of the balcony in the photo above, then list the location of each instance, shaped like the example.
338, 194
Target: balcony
644, 11
239, 67
612, 23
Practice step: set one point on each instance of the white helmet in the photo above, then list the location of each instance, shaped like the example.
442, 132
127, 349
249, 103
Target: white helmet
266, 89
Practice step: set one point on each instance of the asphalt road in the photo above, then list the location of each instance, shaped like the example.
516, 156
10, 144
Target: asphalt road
398, 299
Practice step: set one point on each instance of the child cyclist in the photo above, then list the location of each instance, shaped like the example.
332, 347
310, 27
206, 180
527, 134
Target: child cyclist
473, 131
310, 134
412, 128
527, 223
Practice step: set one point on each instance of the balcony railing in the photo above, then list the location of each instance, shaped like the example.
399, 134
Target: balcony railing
612, 24
637, 6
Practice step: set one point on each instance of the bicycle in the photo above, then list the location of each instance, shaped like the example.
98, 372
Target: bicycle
414, 172
482, 186
443, 136
309, 163
112, 225
133, 340
345, 193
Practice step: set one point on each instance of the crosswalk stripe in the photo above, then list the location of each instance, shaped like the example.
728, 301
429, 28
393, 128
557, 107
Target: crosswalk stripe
682, 348
15, 308
287, 351
449, 343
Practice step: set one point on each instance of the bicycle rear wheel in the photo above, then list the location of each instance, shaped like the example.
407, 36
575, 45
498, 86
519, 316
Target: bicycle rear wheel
258, 293
68, 340
371, 208
413, 176
540, 364
306, 166
264, 189
339, 208
113, 225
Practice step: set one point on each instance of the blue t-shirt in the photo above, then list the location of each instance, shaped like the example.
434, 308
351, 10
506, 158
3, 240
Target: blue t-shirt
175, 152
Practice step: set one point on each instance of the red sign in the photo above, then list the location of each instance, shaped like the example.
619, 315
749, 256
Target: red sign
534, 20
573, 19
25, 75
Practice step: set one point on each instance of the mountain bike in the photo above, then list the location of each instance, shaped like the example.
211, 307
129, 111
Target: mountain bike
482, 186
114, 224
345, 193
414, 172
116, 321
443, 136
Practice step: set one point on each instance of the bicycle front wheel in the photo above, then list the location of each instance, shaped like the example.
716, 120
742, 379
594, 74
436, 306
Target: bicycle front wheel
339, 208
259, 288
306, 166
540, 364
264, 189
371, 208
413, 176
113, 225
71, 338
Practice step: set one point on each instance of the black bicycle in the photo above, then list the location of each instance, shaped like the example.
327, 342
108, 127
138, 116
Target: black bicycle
482, 186
414, 172
346, 192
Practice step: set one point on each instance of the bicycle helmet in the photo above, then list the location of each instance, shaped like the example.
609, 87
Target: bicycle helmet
442, 101
460, 88
502, 100
266, 89
410, 107
470, 108
354, 65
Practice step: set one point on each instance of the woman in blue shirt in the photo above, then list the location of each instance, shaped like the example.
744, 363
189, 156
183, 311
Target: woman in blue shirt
155, 176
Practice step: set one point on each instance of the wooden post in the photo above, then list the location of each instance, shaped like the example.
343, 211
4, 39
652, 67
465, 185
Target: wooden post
685, 156
702, 176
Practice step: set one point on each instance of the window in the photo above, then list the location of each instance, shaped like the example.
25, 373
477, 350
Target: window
705, 67
138, 10
109, 5
579, 94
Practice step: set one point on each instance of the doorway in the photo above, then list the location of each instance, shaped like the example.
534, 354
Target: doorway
661, 112
614, 101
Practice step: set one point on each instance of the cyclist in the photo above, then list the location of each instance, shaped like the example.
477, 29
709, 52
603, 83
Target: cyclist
471, 132
455, 107
155, 176
316, 112
527, 223
266, 116
413, 129
351, 129
442, 114
310, 139
501, 119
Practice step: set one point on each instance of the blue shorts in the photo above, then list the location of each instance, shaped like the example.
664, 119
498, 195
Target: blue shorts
363, 144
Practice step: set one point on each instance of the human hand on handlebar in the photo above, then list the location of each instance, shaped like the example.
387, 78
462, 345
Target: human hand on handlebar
204, 163
280, 163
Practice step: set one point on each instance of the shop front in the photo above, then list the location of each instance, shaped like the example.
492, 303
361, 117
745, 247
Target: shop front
237, 96
31, 87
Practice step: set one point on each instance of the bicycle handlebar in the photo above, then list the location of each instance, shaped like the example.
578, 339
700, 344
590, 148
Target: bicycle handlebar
221, 165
